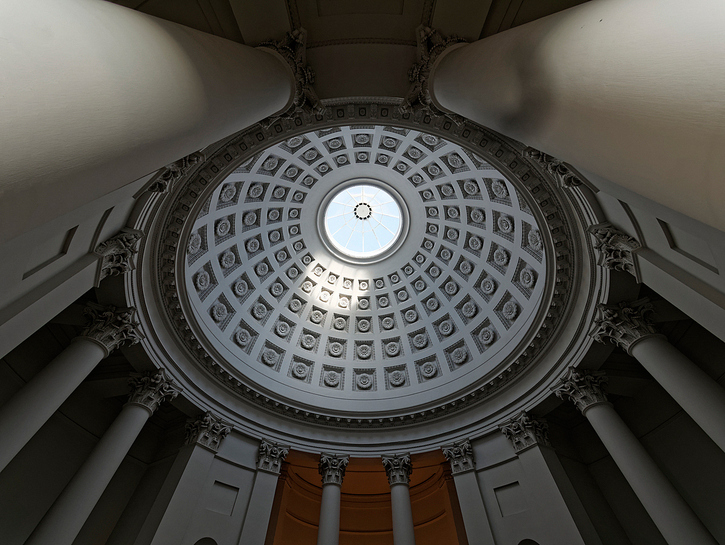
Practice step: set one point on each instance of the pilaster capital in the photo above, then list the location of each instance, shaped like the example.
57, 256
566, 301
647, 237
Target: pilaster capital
524, 431
175, 171
149, 390
270, 456
583, 388
460, 456
557, 168
293, 49
623, 324
332, 468
616, 248
207, 430
431, 44
398, 468
117, 253
110, 326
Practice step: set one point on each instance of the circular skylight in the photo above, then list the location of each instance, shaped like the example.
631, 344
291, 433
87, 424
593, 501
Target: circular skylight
363, 221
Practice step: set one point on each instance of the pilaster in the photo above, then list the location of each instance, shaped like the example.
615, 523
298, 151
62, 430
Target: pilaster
117, 253
173, 172
559, 169
616, 248
525, 432
460, 456
207, 430
623, 324
398, 468
271, 455
583, 388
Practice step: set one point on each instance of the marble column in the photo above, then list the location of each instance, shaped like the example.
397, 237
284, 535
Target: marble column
463, 469
332, 469
602, 87
398, 468
174, 506
130, 93
629, 326
31, 407
674, 518
66, 516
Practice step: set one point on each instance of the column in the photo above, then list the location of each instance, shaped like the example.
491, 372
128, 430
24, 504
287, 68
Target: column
602, 87
398, 468
463, 468
31, 407
66, 516
175, 503
269, 464
130, 93
629, 326
332, 469
673, 517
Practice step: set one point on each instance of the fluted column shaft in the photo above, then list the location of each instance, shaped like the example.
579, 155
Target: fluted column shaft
31, 407
398, 469
671, 514
332, 469
62, 523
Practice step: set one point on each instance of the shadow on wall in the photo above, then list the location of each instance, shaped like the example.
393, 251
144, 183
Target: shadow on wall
524, 542
210, 541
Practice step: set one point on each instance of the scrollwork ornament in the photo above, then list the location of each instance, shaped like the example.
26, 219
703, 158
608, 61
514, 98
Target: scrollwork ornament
270, 456
560, 170
117, 253
111, 327
623, 324
175, 171
583, 388
616, 248
332, 468
208, 430
150, 390
398, 468
460, 456
524, 431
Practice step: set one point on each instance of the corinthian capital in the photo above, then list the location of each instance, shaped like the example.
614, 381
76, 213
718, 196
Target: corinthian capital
118, 253
332, 468
149, 390
270, 456
175, 171
207, 430
524, 431
398, 468
110, 326
583, 388
460, 456
560, 170
615, 247
623, 324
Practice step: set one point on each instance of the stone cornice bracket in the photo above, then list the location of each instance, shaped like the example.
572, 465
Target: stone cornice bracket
111, 327
207, 430
150, 390
624, 324
616, 248
117, 253
332, 468
270, 456
583, 388
170, 174
293, 49
398, 468
431, 44
558, 169
460, 456
524, 432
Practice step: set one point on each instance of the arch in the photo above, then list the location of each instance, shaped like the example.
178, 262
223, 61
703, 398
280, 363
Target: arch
528, 542
206, 541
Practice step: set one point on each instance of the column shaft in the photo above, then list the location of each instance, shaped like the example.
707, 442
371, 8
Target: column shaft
130, 94
31, 407
696, 392
605, 88
66, 517
403, 529
671, 514
329, 528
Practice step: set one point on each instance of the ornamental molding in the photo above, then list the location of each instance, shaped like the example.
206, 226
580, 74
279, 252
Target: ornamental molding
624, 324
616, 248
173, 172
207, 430
111, 327
460, 456
270, 456
332, 468
293, 49
583, 388
150, 390
398, 468
504, 155
431, 43
561, 171
524, 432
118, 253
